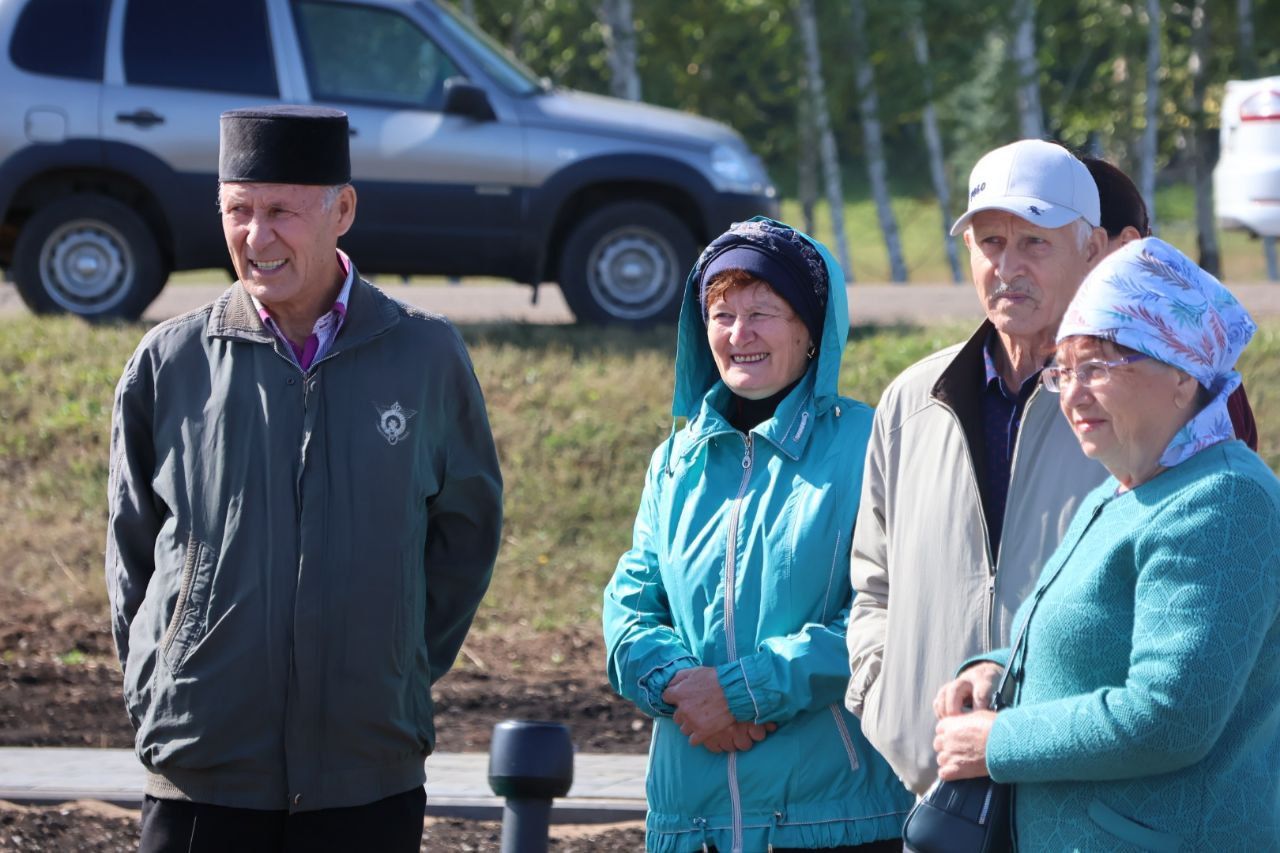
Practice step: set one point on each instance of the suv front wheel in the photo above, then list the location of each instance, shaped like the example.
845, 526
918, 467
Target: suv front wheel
626, 263
89, 255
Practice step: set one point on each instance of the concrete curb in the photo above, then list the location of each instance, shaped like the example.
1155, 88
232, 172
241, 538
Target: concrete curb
606, 788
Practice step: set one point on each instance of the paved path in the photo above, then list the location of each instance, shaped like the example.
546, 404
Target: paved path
489, 301
605, 787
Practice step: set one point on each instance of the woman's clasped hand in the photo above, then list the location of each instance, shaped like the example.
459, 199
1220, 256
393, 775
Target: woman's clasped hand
702, 713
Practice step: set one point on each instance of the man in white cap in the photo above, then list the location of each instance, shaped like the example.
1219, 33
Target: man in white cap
304, 511
972, 473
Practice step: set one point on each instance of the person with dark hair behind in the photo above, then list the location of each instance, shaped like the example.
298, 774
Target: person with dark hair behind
1125, 219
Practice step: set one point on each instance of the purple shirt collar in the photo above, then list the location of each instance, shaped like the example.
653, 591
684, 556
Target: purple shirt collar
325, 331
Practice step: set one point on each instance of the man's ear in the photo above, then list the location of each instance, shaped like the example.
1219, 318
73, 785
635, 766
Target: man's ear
346, 205
1128, 234
1096, 246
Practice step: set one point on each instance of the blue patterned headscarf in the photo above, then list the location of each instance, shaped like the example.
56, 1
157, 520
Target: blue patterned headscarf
1150, 297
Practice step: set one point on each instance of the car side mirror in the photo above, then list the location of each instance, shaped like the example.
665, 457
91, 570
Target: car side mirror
464, 98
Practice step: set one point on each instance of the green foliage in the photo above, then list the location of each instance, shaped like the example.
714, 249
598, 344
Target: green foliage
740, 61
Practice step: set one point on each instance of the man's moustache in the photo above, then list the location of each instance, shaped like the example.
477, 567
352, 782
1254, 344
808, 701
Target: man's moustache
1007, 288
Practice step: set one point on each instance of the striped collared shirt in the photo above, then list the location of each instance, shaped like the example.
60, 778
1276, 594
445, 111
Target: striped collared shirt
325, 331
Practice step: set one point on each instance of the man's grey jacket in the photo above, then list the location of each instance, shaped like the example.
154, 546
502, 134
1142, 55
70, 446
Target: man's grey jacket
294, 558
929, 594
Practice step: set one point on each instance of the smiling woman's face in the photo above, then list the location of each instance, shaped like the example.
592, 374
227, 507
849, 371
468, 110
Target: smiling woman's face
1127, 421
759, 343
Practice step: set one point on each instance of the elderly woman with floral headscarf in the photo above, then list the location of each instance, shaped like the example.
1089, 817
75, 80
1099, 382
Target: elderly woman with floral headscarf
726, 620
1145, 677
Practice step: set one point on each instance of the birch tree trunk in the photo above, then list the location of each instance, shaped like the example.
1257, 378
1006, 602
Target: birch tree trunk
1147, 154
1248, 58
1030, 113
516, 42
822, 121
806, 159
620, 47
1202, 143
933, 141
873, 142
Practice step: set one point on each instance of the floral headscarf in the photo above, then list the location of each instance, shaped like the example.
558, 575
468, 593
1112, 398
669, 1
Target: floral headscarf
1150, 297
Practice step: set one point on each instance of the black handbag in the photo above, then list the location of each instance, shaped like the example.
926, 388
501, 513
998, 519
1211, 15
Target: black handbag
969, 815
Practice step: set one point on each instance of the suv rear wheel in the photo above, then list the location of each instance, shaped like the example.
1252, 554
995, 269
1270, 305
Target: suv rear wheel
626, 263
89, 255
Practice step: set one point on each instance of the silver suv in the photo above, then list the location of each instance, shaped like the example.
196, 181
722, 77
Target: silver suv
465, 162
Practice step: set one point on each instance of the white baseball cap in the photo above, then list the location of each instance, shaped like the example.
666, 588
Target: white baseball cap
1039, 181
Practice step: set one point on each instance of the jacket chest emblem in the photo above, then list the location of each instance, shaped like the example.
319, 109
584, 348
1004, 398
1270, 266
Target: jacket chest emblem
393, 421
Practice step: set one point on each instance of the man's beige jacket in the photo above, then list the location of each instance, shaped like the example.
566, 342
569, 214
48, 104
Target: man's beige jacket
928, 592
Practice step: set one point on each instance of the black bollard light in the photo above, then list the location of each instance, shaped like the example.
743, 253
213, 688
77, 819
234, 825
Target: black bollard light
530, 763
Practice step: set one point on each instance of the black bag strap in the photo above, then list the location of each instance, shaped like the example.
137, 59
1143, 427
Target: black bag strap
1007, 689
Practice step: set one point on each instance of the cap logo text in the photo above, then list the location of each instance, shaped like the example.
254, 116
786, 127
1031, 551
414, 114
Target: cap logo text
979, 188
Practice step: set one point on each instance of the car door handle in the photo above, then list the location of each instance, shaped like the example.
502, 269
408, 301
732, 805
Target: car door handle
142, 118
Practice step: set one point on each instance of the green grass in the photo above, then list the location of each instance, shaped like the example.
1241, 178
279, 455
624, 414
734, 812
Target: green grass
576, 413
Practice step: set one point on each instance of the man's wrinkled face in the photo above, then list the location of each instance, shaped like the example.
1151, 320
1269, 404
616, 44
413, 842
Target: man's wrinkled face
1026, 275
283, 238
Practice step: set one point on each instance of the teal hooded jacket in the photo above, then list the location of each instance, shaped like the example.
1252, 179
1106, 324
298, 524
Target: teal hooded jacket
740, 561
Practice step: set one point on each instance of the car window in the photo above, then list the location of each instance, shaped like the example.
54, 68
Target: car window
44, 44
211, 45
366, 55
501, 65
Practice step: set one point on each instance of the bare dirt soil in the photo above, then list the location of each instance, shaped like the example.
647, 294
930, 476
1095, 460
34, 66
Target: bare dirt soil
90, 827
60, 686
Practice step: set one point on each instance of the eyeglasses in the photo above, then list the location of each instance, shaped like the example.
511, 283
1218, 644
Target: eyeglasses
1089, 374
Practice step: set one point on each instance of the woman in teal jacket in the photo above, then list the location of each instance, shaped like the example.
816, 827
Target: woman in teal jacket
726, 619
1146, 676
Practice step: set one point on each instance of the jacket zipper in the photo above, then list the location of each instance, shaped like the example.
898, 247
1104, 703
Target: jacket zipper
844, 736
986, 533
731, 644
731, 556
302, 452
1013, 468
184, 592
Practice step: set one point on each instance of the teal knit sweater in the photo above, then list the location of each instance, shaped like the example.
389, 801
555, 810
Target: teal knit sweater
1148, 712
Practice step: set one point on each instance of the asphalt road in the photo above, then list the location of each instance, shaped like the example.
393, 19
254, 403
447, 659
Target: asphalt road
488, 301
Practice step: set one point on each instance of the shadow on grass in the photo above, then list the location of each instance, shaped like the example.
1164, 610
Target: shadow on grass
581, 340
862, 331
584, 340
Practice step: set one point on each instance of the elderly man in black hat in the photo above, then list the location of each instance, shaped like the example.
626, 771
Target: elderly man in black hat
305, 508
